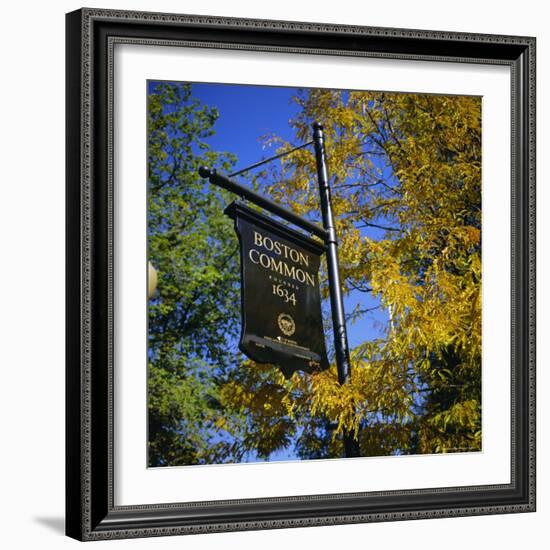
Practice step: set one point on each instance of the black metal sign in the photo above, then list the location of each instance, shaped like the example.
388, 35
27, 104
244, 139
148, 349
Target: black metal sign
281, 302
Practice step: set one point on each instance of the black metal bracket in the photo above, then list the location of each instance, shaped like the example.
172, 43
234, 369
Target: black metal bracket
223, 181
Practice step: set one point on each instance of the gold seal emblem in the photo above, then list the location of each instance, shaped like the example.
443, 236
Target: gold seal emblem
286, 324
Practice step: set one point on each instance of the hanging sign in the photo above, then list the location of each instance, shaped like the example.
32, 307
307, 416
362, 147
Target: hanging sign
280, 299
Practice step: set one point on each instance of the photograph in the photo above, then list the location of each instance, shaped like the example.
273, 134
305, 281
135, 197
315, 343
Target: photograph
242, 351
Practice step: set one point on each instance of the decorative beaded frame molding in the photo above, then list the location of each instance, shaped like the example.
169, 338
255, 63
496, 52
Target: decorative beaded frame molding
90, 510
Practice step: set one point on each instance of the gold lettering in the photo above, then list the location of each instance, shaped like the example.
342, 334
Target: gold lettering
277, 265
289, 272
285, 248
257, 239
280, 266
294, 256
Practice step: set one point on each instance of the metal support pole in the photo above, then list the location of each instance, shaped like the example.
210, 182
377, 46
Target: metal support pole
351, 446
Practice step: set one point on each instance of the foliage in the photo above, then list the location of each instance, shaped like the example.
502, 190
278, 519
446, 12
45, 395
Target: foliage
194, 312
406, 175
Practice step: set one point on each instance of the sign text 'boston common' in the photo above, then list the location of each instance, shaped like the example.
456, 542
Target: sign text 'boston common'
281, 303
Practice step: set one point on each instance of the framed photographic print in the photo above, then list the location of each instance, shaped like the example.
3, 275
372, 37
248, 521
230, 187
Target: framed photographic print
300, 274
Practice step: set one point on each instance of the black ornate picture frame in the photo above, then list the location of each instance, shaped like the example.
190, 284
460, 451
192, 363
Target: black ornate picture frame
90, 506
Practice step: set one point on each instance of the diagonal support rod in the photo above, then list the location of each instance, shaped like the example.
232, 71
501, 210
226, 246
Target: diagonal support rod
265, 161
